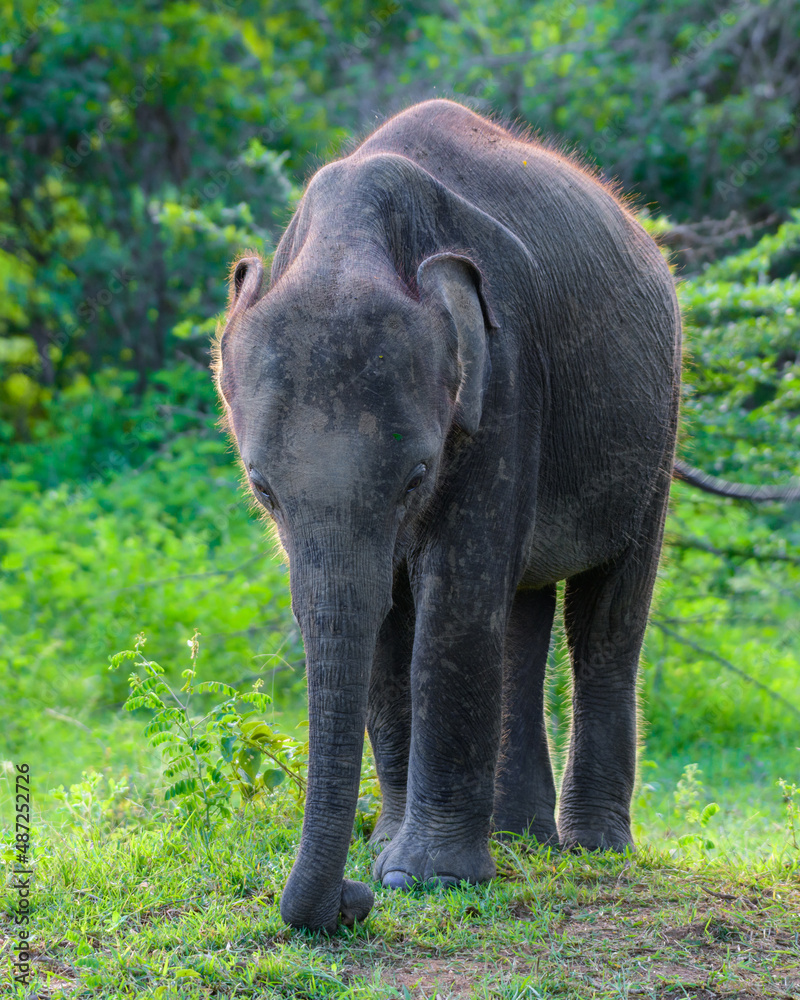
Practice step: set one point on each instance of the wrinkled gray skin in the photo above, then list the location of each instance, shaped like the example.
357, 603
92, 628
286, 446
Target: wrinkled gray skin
460, 388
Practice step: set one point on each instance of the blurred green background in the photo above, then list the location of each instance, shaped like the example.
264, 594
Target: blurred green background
144, 144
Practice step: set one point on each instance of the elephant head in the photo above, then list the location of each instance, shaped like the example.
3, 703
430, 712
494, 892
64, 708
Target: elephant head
340, 387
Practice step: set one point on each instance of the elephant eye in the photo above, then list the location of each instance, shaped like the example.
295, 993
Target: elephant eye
416, 477
261, 486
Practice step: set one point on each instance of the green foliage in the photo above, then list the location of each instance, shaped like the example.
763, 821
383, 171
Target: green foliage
147, 145
677, 102
208, 757
134, 149
99, 428
731, 575
132, 520
742, 390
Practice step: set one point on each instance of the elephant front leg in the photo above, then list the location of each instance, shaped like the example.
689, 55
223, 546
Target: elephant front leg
525, 792
389, 711
456, 679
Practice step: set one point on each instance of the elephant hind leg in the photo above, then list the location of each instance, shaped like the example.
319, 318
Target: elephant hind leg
525, 793
605, 616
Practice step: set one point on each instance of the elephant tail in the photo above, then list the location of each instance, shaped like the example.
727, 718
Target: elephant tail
739, 491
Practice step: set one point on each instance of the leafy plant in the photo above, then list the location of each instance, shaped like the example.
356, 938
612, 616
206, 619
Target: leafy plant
790, 794
208, 757
688, 794
94, 803
368, 806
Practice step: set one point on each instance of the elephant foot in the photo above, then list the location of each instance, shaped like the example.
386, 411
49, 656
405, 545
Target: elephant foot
608, 834
385, 829
409, 861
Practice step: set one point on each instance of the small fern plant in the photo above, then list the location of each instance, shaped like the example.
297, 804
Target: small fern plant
208, 757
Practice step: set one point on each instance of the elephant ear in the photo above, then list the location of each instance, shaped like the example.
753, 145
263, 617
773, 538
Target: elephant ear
243, 288
453, 283
244, 285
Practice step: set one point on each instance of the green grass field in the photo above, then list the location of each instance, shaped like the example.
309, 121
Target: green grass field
140, 910
126, 903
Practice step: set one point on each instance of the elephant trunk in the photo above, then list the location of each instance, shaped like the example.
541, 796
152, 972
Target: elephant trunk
340, 601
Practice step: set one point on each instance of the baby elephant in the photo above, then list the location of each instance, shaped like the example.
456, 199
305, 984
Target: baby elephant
460, 388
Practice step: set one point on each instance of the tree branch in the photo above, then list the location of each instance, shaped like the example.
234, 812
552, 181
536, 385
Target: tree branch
679, 542
187, 576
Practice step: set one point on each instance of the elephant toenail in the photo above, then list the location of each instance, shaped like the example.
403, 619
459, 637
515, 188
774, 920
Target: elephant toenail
398, 880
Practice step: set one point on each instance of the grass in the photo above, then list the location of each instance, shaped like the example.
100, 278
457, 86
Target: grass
127, 905
145, 912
